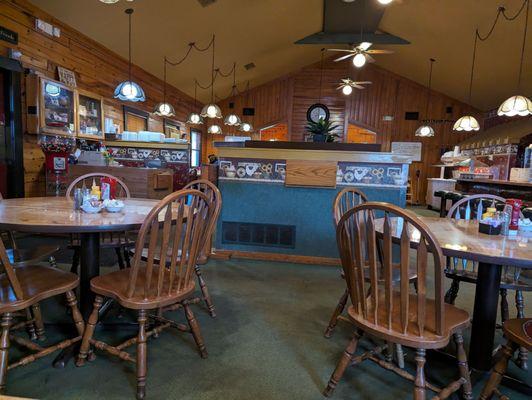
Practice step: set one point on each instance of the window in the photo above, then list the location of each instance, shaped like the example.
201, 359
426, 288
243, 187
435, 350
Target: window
195, 148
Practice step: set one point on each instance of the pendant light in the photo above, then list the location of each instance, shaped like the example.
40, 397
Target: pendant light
194, 118
233, 119
246, 127
212, 110
426, 130
518, 105
164, 109
214, 129
129, 90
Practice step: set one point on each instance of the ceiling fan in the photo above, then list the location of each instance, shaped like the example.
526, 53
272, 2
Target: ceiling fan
360, 54
112, 1
347, 86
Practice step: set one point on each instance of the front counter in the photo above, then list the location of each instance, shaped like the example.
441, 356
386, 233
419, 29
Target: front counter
506, 189
277, 203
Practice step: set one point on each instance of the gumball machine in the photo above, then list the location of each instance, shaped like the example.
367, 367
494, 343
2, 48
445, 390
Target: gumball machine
56, 149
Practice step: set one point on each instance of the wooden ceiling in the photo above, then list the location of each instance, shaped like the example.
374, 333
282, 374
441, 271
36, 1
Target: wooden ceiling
264, 32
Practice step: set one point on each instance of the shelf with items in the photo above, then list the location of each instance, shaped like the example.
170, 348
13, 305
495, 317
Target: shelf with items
90, 118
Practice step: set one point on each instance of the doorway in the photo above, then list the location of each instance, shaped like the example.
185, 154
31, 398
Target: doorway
277, 132
11, 137
358, 134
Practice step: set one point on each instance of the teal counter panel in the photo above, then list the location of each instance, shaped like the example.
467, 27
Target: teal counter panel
309, 210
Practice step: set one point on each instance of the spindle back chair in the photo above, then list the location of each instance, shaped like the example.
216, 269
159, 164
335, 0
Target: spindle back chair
386, 309
173, 233
85, 181
21, 288
462, 270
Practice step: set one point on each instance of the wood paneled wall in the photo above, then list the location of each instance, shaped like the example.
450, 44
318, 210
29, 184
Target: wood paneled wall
288, 98
97, 69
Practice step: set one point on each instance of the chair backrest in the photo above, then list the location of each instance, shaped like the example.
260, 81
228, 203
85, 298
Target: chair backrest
7, 268
122, 191
345, 200
389, 306
174, 232
472, 207
214, 195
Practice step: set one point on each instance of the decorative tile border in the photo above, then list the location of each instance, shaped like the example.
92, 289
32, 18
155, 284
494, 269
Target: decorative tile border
140, 154
265, 170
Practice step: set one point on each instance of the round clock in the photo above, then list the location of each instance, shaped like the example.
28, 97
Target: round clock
318, 111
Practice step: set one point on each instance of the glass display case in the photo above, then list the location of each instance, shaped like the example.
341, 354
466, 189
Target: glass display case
57, 108
89, 116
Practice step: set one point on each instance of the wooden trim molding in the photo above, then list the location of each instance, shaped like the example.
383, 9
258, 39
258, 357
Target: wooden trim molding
276, 257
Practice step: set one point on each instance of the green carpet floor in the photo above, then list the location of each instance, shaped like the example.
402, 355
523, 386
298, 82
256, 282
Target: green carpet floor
266, 343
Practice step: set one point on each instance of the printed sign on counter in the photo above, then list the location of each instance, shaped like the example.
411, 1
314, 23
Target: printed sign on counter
412, 149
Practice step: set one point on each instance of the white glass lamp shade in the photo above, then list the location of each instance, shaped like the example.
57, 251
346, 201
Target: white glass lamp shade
129, 91
516, 105
385, 2
347, 90
232, 120
164, 110
109, 1
194, 119
211, 111
425, 131
467, 123
246, 127
214, 130
359, 60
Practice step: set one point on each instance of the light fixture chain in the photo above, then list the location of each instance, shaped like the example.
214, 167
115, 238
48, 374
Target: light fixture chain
473, 66
321, 75
129, 66
432, 60
524, 43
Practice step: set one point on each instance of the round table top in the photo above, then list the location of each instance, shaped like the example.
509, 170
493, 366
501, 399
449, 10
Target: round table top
56, 215
461, 238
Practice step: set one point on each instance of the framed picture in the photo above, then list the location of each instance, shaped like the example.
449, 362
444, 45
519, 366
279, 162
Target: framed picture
135, 120
173, 129
57, 108
90, 122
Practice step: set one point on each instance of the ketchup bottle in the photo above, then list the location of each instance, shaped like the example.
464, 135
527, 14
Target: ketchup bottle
516, 212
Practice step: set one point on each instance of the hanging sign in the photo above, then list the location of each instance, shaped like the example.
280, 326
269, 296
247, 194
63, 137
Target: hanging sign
67, 77
7, 35
411, 149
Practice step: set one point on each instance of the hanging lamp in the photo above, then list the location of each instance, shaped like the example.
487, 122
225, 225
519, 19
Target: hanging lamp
426, 130
164, 109
233, 119
194, 118
212, 110
214, 129
129, 90
518, 105
246, 127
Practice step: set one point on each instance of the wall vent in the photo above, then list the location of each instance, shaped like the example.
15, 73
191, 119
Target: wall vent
253, 234
205, 3
249, 66
412, 116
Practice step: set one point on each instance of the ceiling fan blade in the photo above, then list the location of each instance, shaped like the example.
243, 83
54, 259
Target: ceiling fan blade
344, 50
359, 87
364, 46
344, 57
363, 83
369, 58
380, 51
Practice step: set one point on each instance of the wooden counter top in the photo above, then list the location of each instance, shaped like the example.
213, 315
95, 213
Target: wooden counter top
309, 155
496, 182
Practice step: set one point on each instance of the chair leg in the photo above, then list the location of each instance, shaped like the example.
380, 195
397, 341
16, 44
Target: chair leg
127, 257
420, 383
342, 365
30, 325
522, 355
119, 258
39, 324
505, 314
400, 355
52, 261
338, 310
141, 355
205, 292
89, 331
498, 371
75, 261
4, 349
76, 315
452, 293
195, 329
463, 366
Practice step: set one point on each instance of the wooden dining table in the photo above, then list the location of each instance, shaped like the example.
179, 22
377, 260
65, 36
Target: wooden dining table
461, 239
56, 215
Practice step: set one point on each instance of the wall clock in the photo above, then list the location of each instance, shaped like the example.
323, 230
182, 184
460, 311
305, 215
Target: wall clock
318, 111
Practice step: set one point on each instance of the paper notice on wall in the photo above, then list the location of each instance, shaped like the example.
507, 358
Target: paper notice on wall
411, 149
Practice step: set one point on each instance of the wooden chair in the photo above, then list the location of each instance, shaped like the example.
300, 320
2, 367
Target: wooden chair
179, 221
519, 335
22, 258
460, 270
214, 195
391, 312
20, 289
117, 241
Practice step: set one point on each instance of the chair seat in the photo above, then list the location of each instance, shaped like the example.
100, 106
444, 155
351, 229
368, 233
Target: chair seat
519, 331
523, 283
455, 319
115, 285
202, 259
30, 256
37, 283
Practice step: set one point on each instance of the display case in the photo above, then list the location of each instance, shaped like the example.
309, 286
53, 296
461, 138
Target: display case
57, 108
90, 119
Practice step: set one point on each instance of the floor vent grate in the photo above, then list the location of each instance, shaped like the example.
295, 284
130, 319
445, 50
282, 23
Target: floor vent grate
253, 234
